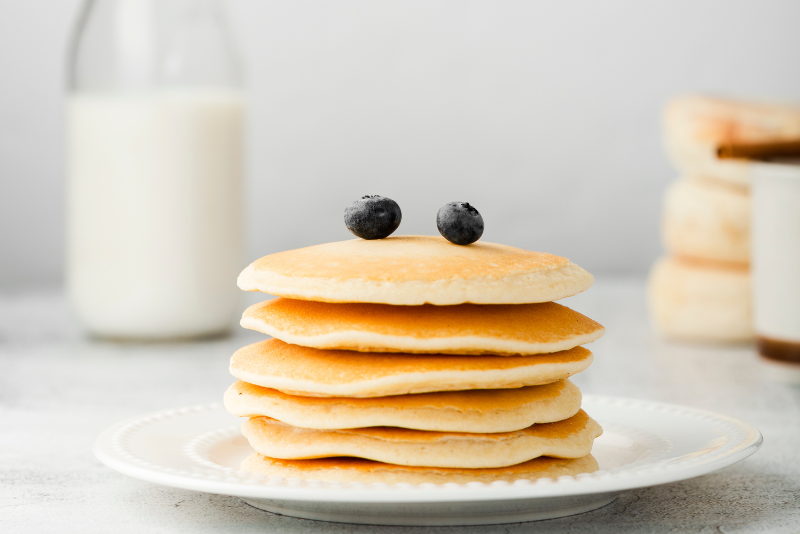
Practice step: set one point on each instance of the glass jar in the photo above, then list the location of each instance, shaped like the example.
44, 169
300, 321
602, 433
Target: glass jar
154, 170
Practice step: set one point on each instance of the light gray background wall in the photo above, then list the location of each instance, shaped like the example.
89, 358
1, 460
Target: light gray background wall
544, 115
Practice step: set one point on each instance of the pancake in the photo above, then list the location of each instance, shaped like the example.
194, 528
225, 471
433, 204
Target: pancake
571, 438
413, 270
477, 411
707, 219
695, 125
367, 471
313, 372
462, 329
702, 301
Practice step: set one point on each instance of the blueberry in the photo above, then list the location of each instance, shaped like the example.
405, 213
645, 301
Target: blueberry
459, 223
372, 217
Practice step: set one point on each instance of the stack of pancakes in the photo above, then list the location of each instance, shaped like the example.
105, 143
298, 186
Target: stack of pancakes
410, 359
701, 289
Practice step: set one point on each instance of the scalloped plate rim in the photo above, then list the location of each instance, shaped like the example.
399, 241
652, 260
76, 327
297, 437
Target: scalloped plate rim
250, 486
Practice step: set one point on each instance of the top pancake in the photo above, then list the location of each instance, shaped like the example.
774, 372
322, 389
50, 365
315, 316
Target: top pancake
414, 270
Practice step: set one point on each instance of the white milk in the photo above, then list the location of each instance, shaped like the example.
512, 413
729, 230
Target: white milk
776, 250
154, 212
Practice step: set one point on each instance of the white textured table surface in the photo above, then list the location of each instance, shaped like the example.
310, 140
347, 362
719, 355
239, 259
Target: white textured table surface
58, 391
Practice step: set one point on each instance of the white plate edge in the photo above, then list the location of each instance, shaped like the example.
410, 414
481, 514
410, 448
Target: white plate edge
261, 487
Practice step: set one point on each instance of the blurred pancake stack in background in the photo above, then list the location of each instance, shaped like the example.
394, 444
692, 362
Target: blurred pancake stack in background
410, 359
701, 289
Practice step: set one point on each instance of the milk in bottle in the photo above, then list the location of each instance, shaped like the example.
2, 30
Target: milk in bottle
154, 171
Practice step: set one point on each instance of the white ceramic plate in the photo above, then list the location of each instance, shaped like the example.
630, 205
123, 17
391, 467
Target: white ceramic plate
643, 444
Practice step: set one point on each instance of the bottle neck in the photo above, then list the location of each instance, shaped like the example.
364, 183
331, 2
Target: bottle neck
142, 45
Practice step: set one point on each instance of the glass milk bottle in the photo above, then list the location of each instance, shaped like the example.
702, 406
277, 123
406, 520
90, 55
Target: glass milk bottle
154, 170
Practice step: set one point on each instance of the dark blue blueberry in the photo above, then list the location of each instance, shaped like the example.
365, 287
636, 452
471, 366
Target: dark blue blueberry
459, 223
372, 217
